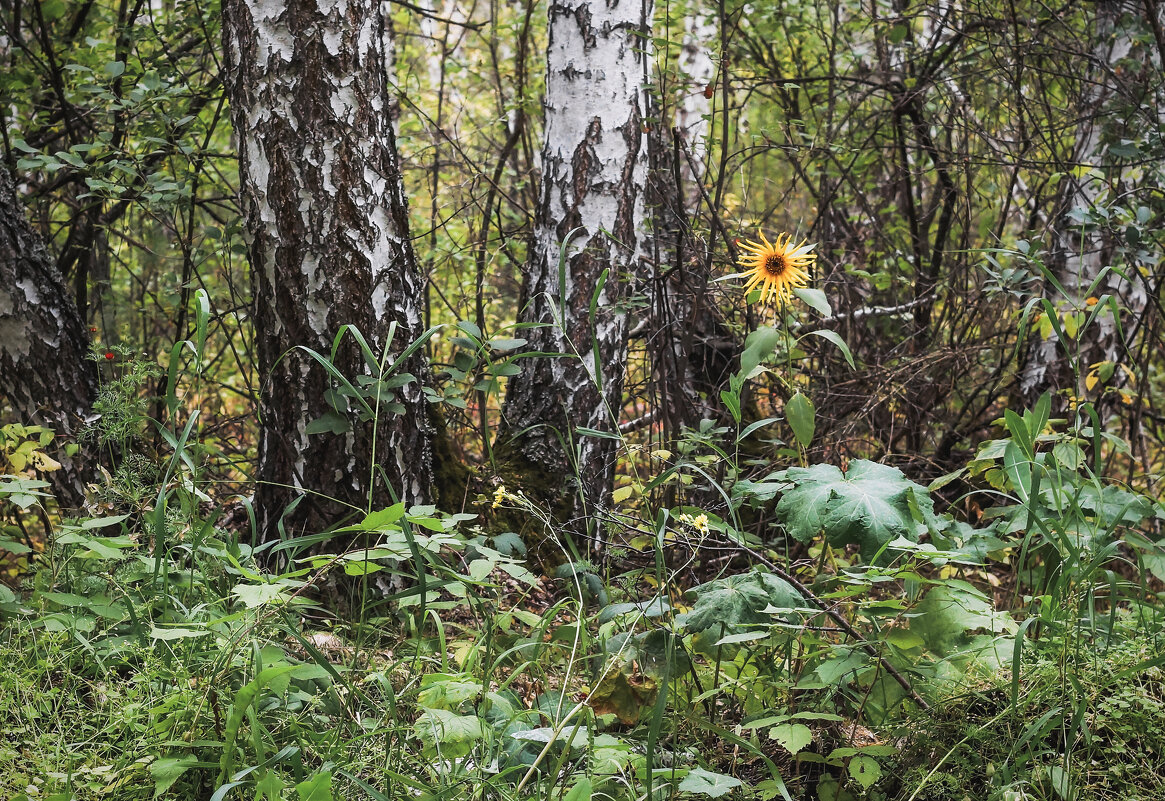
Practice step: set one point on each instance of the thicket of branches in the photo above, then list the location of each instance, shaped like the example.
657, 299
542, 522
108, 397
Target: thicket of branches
946, 159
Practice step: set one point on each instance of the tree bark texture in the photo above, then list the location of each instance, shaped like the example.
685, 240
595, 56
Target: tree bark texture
587, 226
328, 223
1083, 251
690, 350
45, 376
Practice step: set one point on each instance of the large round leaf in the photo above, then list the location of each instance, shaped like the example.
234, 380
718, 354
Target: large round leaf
869, 506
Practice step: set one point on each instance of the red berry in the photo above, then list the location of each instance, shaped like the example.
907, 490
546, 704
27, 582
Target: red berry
92, 329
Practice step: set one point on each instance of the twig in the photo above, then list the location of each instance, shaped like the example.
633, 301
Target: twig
639, 422
868, 311
844, 624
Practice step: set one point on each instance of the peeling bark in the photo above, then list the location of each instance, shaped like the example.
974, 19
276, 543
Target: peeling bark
328, 223
45, 377
591, 210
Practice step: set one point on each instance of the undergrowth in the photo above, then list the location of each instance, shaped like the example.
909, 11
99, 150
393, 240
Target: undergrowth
864, 644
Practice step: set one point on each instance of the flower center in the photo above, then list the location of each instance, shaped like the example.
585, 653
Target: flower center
775, 265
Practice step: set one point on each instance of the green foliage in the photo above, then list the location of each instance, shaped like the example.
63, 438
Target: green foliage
996, 637
736, 605
870, 505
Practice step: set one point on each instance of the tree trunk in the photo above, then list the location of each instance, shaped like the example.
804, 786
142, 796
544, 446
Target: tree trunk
45, 377
591, 209
328, 223
691, 351
1085, 243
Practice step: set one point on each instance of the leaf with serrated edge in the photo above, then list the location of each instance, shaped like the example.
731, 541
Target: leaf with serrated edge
705, 782
793, 737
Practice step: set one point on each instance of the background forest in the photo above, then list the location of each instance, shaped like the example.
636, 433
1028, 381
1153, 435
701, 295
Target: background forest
582, 400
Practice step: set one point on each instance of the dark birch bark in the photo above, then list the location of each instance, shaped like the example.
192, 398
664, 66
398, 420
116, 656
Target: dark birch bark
591, 209
326, 212
691, 351
45, 377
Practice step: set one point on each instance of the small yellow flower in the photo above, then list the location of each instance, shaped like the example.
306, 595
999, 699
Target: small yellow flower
776, 267
500, 494
699, 522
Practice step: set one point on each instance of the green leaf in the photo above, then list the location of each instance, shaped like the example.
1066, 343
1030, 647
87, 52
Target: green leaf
317, 788
834, 670
383, 518
102, 522
800, 413
176, 633
870, 505
758, 345
705, 782
949, 611
470, 328
815, 299
270, 787
793, 737
509, 544
446, 691
504, 343
580, 792
447, 733
631, 680
331, 422
835, 338
167, 770
66, 599
865, 771
256, 595
735, 604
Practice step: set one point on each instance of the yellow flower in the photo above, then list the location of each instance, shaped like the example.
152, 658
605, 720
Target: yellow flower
699, 522
776, 267
500, 494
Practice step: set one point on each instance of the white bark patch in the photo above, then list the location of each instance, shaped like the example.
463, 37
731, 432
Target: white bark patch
14, 331
31, 293
344, 102
272, 35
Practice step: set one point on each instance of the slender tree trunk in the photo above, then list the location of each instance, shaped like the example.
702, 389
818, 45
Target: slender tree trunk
1084, 248
693, 113
690, 349
585, 252
45, 377
326, 212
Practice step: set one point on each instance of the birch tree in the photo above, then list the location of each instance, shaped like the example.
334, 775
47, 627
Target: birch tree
585, 252
45, 378
1122, 81
327, 218
684, 325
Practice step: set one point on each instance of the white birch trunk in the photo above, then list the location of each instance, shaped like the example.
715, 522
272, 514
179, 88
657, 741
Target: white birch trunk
45, 378
1083, 254
693, 111
591, 211
325, 208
